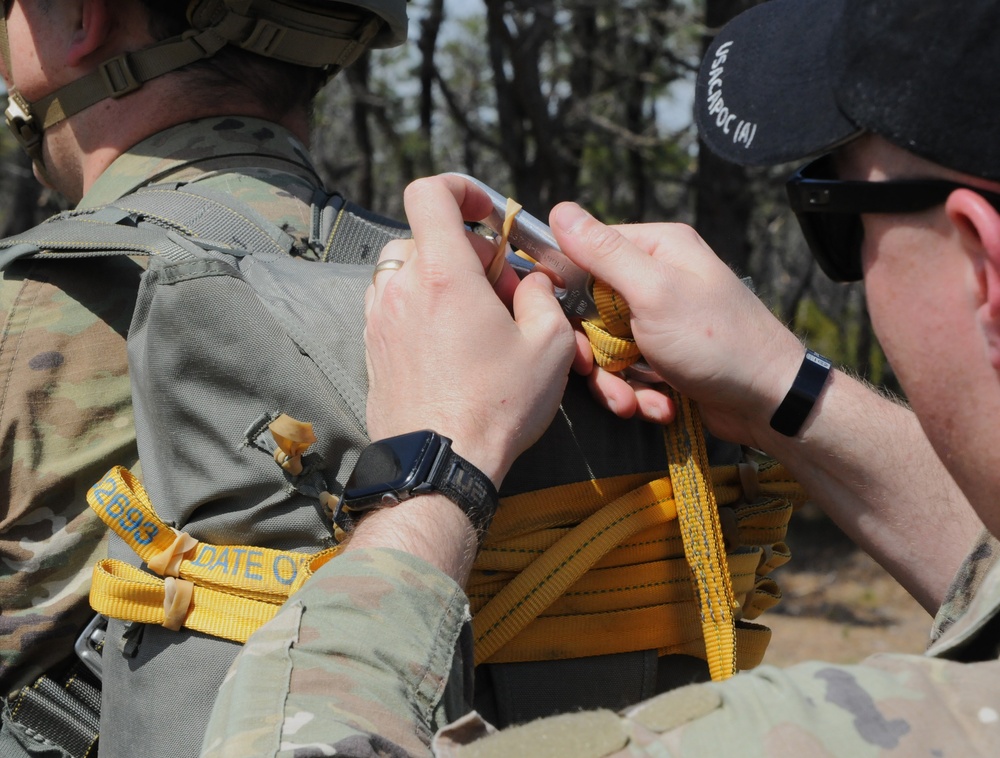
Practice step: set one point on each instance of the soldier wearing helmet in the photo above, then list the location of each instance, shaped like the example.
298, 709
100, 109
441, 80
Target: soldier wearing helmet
108, 96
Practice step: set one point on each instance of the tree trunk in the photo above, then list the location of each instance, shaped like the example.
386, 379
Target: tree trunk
723, 200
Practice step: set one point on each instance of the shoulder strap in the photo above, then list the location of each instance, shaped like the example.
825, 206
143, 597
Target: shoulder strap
106, 231
347, 233
156, 220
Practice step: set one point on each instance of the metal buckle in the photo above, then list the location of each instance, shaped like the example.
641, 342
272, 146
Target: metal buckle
118, 77
22, 122
90, 643
573, 284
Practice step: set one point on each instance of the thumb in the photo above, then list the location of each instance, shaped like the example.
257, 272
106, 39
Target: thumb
598, 248
540, 316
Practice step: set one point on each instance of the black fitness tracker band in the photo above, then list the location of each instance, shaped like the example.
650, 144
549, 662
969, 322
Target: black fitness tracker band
809, 382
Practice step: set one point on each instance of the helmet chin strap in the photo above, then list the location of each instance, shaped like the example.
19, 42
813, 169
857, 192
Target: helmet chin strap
114, 78
337, 44
17, 106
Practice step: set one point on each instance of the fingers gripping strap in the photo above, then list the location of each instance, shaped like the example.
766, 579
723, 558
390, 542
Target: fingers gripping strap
611, 338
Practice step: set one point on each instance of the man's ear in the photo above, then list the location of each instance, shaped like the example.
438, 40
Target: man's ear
978, 226
91, 33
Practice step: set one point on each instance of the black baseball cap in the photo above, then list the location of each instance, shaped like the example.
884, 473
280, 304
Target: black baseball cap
792, 79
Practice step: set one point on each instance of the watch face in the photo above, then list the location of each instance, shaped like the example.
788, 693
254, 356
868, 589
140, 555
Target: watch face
392, 466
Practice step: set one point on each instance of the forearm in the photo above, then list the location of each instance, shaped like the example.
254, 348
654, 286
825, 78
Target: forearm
429, 527
865, 460
363, 660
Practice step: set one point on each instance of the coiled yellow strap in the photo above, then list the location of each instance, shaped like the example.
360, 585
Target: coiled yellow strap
685, 496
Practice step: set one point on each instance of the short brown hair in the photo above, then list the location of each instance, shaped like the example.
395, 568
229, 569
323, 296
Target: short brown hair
278, 86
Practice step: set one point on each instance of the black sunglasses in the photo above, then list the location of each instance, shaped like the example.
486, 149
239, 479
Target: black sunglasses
829, 210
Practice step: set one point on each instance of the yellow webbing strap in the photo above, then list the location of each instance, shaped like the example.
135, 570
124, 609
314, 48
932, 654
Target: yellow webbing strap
125, 592
524, 616
697, 512
640, 594
611, 338
548, 577
701, 531
236, 587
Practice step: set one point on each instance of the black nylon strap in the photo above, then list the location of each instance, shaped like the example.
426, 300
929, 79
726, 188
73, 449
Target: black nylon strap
64, 710
468, 488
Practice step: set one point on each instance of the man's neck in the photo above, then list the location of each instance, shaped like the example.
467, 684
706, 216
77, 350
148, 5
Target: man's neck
80, 150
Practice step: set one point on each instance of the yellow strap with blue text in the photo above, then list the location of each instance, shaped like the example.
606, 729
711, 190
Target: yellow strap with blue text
236, 587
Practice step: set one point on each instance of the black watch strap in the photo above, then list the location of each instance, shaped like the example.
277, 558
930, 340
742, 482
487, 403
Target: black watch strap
398, 468
468, 488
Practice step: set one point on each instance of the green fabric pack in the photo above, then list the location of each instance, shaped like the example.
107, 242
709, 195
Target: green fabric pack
229, 331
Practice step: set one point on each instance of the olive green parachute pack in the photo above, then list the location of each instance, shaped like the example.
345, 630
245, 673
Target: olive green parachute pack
230, 332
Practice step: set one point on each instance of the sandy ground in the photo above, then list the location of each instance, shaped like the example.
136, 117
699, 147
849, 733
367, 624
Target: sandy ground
838, 605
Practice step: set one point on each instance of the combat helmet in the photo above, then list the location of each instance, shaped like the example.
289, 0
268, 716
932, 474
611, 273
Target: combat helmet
316, 33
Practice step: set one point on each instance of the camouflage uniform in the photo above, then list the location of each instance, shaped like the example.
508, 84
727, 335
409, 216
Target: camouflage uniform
356, 662
65, 407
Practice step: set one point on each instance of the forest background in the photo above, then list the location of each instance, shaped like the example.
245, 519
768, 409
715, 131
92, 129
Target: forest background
590, 100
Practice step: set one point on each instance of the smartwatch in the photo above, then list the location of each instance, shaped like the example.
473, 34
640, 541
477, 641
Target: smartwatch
395, 469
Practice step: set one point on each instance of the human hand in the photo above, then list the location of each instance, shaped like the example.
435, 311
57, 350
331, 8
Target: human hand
445, 353
696, 323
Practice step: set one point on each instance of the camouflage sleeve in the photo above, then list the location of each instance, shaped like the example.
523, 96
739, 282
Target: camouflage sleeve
966, 583
891, 705
65, 419
364, 660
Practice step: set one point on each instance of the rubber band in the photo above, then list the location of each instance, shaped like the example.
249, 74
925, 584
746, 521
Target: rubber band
293, 438
496, 265
168, 562
177, 594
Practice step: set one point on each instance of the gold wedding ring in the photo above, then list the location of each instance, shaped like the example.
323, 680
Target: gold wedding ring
389, 264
